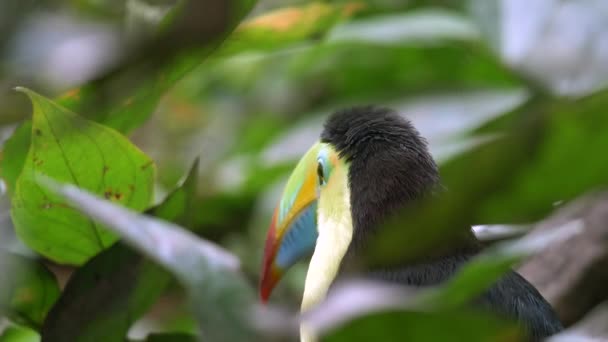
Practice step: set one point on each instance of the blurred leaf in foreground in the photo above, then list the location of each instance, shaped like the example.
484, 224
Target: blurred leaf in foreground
27, 290
220, 297
72, 149
568, 162
286, 26
19, 334
419, 25
425, 326
110, 292
104, 297
358, 301
487, 268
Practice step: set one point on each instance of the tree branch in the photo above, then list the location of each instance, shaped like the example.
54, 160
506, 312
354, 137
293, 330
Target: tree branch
572, 275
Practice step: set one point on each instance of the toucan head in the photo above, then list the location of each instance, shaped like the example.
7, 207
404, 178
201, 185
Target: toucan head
368, 162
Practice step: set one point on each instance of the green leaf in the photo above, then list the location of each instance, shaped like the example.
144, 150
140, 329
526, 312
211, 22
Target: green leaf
27, 290
14, 155
74, 150
406, 69
285, 26
425, 326
567, 163
104, 297
220, 297
19, 334
110, 292
485, 269
419, 25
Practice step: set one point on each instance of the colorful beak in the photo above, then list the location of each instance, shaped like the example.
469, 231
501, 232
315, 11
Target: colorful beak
293, 230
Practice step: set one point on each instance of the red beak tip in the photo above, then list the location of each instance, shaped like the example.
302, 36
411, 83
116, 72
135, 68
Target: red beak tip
265, 290
263, 299
266, 286
268, 279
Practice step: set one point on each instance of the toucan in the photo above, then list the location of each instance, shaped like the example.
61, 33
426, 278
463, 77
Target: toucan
369, 163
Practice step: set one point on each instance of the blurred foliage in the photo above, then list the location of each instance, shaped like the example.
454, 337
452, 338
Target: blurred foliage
415, 326
92, 298
208, 272
28, 292
19, 334
245, 87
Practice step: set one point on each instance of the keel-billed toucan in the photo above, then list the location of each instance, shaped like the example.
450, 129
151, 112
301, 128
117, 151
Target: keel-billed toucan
369, 163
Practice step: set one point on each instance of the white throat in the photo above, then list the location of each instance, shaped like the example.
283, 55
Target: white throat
334, 222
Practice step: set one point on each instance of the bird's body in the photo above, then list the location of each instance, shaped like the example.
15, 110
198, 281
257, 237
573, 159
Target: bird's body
370, 163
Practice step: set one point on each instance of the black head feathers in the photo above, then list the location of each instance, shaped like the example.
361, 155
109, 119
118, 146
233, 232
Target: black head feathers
352, 130
386, 141
390, 164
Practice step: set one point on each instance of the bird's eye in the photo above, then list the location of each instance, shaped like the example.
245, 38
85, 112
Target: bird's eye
320, 173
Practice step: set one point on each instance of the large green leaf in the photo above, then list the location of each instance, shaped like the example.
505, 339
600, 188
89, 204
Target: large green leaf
27, 290
219, 295
72, 149
425, 326
111, 291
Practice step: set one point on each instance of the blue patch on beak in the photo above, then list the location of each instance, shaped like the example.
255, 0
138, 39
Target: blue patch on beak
299, 239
